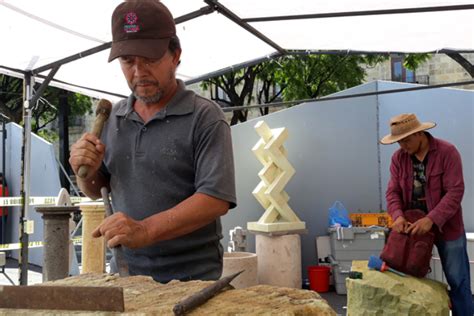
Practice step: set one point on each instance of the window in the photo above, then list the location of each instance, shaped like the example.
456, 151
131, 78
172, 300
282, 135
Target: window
400, 73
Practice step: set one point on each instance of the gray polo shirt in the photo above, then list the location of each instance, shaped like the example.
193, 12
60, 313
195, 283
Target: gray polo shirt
185, 148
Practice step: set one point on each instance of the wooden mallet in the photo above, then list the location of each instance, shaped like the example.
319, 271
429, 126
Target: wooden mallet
102, 113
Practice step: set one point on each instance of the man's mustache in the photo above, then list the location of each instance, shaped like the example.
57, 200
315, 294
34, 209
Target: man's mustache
143, 82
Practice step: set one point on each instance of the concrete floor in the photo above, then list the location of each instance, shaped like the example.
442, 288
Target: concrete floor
9, 275
336, 301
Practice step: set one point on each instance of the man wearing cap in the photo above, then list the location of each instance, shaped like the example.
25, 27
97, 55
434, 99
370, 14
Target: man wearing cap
426, 174
165, 153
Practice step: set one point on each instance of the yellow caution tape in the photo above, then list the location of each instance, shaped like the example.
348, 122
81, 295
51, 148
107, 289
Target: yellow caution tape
34, 244
39, 200
17, 246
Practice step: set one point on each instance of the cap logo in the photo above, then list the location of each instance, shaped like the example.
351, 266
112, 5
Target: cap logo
131, 26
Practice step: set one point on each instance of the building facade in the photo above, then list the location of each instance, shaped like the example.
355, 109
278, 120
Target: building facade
439, 69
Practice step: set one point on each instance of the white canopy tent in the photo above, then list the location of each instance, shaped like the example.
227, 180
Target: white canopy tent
36, 33
69, 40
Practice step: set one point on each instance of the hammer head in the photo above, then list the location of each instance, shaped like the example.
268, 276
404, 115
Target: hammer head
103, 108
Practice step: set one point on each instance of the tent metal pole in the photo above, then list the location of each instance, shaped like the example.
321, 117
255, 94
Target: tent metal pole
236, 19
71, 58
359, 13
184, 18
4, 181
233, 68
460, 59
25, 180
195, 14
357, 95
44, 85
29, 101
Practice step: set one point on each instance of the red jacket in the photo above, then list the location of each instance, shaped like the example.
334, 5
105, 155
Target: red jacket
444, 187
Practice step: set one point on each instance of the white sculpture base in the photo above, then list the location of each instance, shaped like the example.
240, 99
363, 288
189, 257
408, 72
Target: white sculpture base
238, 261
276, 227
279, 260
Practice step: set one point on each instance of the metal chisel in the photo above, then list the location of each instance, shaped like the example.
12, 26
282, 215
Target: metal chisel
117, 252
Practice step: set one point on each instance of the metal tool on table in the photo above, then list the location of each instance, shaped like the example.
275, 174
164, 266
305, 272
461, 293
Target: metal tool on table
72, 298
203, 295
117, 252
355, 275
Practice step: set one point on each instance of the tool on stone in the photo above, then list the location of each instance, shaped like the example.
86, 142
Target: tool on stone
71, 298
355, 275
102, 113
377, 264
117, 252
203, 295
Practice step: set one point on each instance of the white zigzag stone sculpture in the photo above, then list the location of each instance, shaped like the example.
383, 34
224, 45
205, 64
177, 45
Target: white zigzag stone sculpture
275, 174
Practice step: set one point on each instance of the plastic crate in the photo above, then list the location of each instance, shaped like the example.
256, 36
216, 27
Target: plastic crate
340, 271
353, 243
370, 219
356, 243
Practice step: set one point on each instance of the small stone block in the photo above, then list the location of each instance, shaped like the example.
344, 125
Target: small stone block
275, 227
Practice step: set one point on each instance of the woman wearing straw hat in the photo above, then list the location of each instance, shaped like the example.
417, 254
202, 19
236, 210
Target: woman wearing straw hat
426, 174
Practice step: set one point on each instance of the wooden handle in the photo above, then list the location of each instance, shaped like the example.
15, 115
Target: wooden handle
100, 119
83, 171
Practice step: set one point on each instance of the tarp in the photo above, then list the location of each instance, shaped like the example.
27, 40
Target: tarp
38, 32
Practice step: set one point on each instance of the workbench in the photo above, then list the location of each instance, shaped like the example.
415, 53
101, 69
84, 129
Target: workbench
142, 295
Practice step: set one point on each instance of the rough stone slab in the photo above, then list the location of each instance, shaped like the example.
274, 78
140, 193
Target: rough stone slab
143, 296
386, 293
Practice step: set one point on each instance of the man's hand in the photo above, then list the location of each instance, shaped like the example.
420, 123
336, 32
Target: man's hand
420, 227
88, 151
119, 229
400, 225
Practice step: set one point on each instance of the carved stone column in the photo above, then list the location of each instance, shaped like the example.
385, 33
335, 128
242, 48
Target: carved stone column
56, 241
93, 249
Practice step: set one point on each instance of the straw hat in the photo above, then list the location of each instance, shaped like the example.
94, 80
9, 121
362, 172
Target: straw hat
404, 125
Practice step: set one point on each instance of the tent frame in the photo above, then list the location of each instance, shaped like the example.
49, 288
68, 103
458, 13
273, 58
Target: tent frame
30, 97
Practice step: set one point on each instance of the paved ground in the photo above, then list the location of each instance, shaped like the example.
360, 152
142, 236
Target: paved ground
9, 275
336, 301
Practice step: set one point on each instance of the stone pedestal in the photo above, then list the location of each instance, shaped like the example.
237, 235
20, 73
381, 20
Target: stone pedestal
56, 241
93, 249
238, 261
279, 260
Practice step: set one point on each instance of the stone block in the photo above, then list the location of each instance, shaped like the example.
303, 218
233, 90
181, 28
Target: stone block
386, 293
143, 296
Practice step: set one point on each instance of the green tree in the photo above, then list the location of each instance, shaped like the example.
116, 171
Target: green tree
412, 61
313, 76
45, 110
294, 77
238, 86
288, 78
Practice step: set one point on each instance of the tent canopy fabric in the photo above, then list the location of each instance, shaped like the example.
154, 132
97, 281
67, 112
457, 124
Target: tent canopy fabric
39, 32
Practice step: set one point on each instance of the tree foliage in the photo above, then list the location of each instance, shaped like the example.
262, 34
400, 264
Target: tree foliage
288, 78
294, 77
412, 61
313, 76
45, 110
